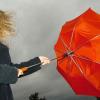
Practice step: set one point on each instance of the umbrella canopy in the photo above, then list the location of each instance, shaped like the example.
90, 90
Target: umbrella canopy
78, 53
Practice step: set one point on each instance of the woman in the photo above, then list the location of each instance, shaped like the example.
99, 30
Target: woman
10, 72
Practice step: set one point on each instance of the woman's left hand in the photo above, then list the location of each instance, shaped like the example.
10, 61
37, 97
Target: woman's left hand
20, 72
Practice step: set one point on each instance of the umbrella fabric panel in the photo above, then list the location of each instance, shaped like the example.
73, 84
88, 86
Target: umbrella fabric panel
80, 85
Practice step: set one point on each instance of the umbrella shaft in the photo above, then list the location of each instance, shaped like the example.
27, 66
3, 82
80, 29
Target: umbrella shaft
53, 59
59, 58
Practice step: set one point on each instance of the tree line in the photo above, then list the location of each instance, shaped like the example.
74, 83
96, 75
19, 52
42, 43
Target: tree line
35, 96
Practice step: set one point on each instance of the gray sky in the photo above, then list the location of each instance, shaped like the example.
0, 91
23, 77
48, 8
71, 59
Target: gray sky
38, 24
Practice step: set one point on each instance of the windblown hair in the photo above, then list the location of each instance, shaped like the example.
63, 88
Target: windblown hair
5, 24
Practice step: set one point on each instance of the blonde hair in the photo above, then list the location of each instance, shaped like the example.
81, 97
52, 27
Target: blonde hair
6, 24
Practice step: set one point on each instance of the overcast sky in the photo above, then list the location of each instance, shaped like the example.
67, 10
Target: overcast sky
38, 23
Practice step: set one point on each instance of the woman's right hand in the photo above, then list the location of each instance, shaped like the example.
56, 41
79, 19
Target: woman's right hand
44, 60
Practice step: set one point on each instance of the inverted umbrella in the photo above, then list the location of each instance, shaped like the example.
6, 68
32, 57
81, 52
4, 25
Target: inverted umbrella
78, 53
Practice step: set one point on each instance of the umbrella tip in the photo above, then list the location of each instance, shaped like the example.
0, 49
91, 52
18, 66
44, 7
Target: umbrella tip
66, 54
71, 52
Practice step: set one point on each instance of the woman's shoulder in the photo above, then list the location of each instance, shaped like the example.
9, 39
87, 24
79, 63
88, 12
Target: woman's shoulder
3, 45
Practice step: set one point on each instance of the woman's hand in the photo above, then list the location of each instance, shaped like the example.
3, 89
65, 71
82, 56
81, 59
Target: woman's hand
44, 60
20, 72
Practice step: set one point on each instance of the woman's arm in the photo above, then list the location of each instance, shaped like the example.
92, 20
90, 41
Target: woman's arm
37, 61
27, 64
9, 73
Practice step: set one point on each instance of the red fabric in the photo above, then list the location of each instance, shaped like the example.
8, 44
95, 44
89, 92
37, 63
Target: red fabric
82, 68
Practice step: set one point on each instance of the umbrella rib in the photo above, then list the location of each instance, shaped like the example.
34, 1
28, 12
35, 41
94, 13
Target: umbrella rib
86, 42
85, 59
69, 64
72, 36
77, 65
60, 60
59, 51
64, 44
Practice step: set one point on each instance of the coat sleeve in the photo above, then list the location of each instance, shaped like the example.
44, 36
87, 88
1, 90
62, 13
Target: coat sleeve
31, 62
8, 74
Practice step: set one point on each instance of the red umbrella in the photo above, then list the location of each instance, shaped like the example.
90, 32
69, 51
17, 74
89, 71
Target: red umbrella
78, 53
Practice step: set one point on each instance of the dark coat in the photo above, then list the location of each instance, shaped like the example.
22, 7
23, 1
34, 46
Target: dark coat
8, 72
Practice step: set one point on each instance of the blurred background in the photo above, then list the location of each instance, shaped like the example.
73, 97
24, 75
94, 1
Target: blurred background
38, 24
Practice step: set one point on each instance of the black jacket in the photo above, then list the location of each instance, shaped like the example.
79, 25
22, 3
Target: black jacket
8, 72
